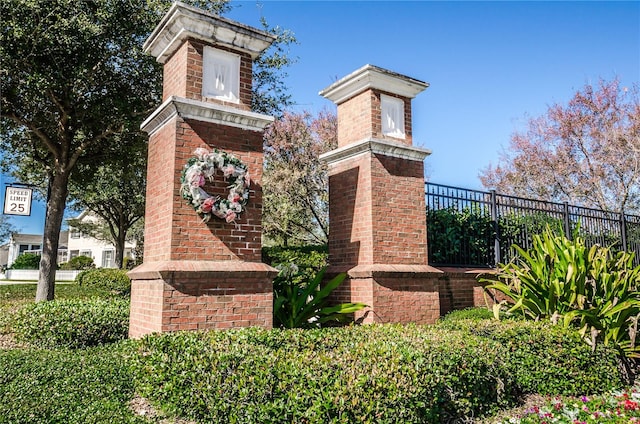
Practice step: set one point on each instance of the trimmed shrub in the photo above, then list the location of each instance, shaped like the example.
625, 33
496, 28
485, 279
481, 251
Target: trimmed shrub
72, 323
79, 263
468, 313
547, 359
64, 386
377, 373
26, 261
108, 279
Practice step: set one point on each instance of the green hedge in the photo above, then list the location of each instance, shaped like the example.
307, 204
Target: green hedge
108, 279
79, 263
381, 374
468, 313
72, 323
66, 386
26, 261
377, 373
546, 359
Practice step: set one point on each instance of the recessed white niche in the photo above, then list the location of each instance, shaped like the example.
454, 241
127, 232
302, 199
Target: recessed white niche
220, 75
392, 116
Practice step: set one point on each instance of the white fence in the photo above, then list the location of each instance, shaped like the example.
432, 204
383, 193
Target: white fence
32, 275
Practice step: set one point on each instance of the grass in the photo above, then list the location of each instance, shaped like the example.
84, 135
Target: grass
97, 386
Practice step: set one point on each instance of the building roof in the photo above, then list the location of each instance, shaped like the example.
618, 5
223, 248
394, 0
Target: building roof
18, 238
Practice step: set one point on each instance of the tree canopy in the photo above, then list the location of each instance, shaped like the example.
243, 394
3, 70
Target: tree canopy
295, 181
75, 86
586, 152
5, 228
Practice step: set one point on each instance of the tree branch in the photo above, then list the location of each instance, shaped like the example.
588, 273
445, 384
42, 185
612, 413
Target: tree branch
52, 146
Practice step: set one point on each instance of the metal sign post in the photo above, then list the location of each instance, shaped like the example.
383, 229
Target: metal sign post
17, 201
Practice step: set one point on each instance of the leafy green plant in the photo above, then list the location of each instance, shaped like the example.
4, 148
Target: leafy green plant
468, 314
519, 229
111, 280
544, 358
72, 323
39, 386
309, 259
365, 374
563, 281
79, 263
304, 306
26, 261
379, 374
460, 236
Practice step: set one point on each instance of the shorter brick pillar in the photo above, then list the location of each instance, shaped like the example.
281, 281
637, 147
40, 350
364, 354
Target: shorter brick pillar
377, 210
196, 274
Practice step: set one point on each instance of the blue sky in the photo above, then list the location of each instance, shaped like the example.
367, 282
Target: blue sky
490, 65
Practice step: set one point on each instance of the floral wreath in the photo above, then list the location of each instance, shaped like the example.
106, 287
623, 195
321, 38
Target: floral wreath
203, 167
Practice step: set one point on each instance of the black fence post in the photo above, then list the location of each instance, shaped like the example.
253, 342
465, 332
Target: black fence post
623, 232
496, 229
567, 222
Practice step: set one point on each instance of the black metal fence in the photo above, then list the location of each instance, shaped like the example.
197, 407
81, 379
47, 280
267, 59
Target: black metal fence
478, 228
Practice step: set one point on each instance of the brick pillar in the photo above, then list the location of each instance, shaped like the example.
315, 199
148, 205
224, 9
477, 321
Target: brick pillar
377, 210
199, 275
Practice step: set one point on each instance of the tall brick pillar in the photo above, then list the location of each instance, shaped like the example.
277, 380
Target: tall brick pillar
199, 275
377, 210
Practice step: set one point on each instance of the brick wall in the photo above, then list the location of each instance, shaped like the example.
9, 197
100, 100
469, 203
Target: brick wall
147, 300
193, 295
398, 211
173, 229
174, 74
160, 194
351, 233
183, 75
376, 212
420, 297
360, 117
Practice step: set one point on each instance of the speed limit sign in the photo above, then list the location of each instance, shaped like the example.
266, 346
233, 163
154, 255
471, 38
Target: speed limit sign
17, 201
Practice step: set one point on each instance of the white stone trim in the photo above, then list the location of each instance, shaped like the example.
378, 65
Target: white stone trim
378, 147
203, 111
183, 21
370, 76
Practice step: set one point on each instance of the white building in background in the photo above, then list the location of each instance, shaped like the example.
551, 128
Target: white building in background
72, 243
102, 252
30, 243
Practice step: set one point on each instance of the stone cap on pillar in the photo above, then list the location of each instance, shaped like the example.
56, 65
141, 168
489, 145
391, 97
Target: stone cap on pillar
376, 147
374, 103
182, 22
373, 77
205, 112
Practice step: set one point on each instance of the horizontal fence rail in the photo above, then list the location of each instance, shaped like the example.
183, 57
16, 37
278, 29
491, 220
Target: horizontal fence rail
475, 228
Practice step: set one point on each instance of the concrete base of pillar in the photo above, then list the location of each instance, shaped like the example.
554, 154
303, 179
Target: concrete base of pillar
196, 295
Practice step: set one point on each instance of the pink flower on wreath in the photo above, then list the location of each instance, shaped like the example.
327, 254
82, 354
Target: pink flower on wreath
197, 180
247, 180
228, 170
208, 204
234, 197
231, 216
201, 153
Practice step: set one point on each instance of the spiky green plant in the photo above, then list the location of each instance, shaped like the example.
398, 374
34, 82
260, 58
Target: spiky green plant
564, 281
298, 305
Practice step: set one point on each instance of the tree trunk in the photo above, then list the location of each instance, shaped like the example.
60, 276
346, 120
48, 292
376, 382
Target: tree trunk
120, 248
56, 202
